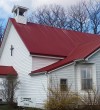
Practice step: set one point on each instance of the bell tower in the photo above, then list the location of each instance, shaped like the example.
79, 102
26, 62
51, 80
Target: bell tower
20, 14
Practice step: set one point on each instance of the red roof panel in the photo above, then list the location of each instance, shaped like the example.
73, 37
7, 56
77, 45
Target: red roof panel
45, 40
7, 70
49, 41
81, 52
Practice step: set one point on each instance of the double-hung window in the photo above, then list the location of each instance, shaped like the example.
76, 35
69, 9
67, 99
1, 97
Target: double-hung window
86, 78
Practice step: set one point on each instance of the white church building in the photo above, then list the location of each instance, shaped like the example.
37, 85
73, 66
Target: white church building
37, 53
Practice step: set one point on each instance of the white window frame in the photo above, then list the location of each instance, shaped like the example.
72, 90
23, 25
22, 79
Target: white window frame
86, 77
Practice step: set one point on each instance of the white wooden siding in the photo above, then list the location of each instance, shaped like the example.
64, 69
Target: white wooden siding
22, 62
39, 90
73, 74
66, 72
40, 62
96, 60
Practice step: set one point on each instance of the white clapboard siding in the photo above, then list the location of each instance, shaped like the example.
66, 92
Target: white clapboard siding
22, 62
96, 60
21, 59
66, 72
39, 91
40, 62
73, 74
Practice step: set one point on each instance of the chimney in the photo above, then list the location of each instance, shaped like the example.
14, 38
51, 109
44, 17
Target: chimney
20, 14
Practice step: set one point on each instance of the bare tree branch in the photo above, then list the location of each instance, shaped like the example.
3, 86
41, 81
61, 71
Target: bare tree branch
93, 9
53, 15
9, 86
78, 18
83, 17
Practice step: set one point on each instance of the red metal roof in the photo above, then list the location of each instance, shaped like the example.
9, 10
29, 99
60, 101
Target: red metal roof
49, 41
81, 52
7, 70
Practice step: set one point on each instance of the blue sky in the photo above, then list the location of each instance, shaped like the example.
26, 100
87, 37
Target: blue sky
7, 5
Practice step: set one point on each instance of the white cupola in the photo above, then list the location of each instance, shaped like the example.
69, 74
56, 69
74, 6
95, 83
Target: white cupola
20, 14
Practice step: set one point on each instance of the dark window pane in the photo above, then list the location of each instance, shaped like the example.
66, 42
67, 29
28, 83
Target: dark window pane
89, 75
86, 84
63, 85
89, 83
63, 81
83, 73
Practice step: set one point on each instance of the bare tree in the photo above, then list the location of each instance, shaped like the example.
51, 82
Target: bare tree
60, 97
78, 18
93, 9
90, 100
53, 15
9, 86
1, 29
83, 17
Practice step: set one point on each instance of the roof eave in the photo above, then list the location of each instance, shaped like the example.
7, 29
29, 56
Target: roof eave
47, 55
37, 73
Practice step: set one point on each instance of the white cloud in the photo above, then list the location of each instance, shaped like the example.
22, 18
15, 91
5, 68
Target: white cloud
60, 2
7, 5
